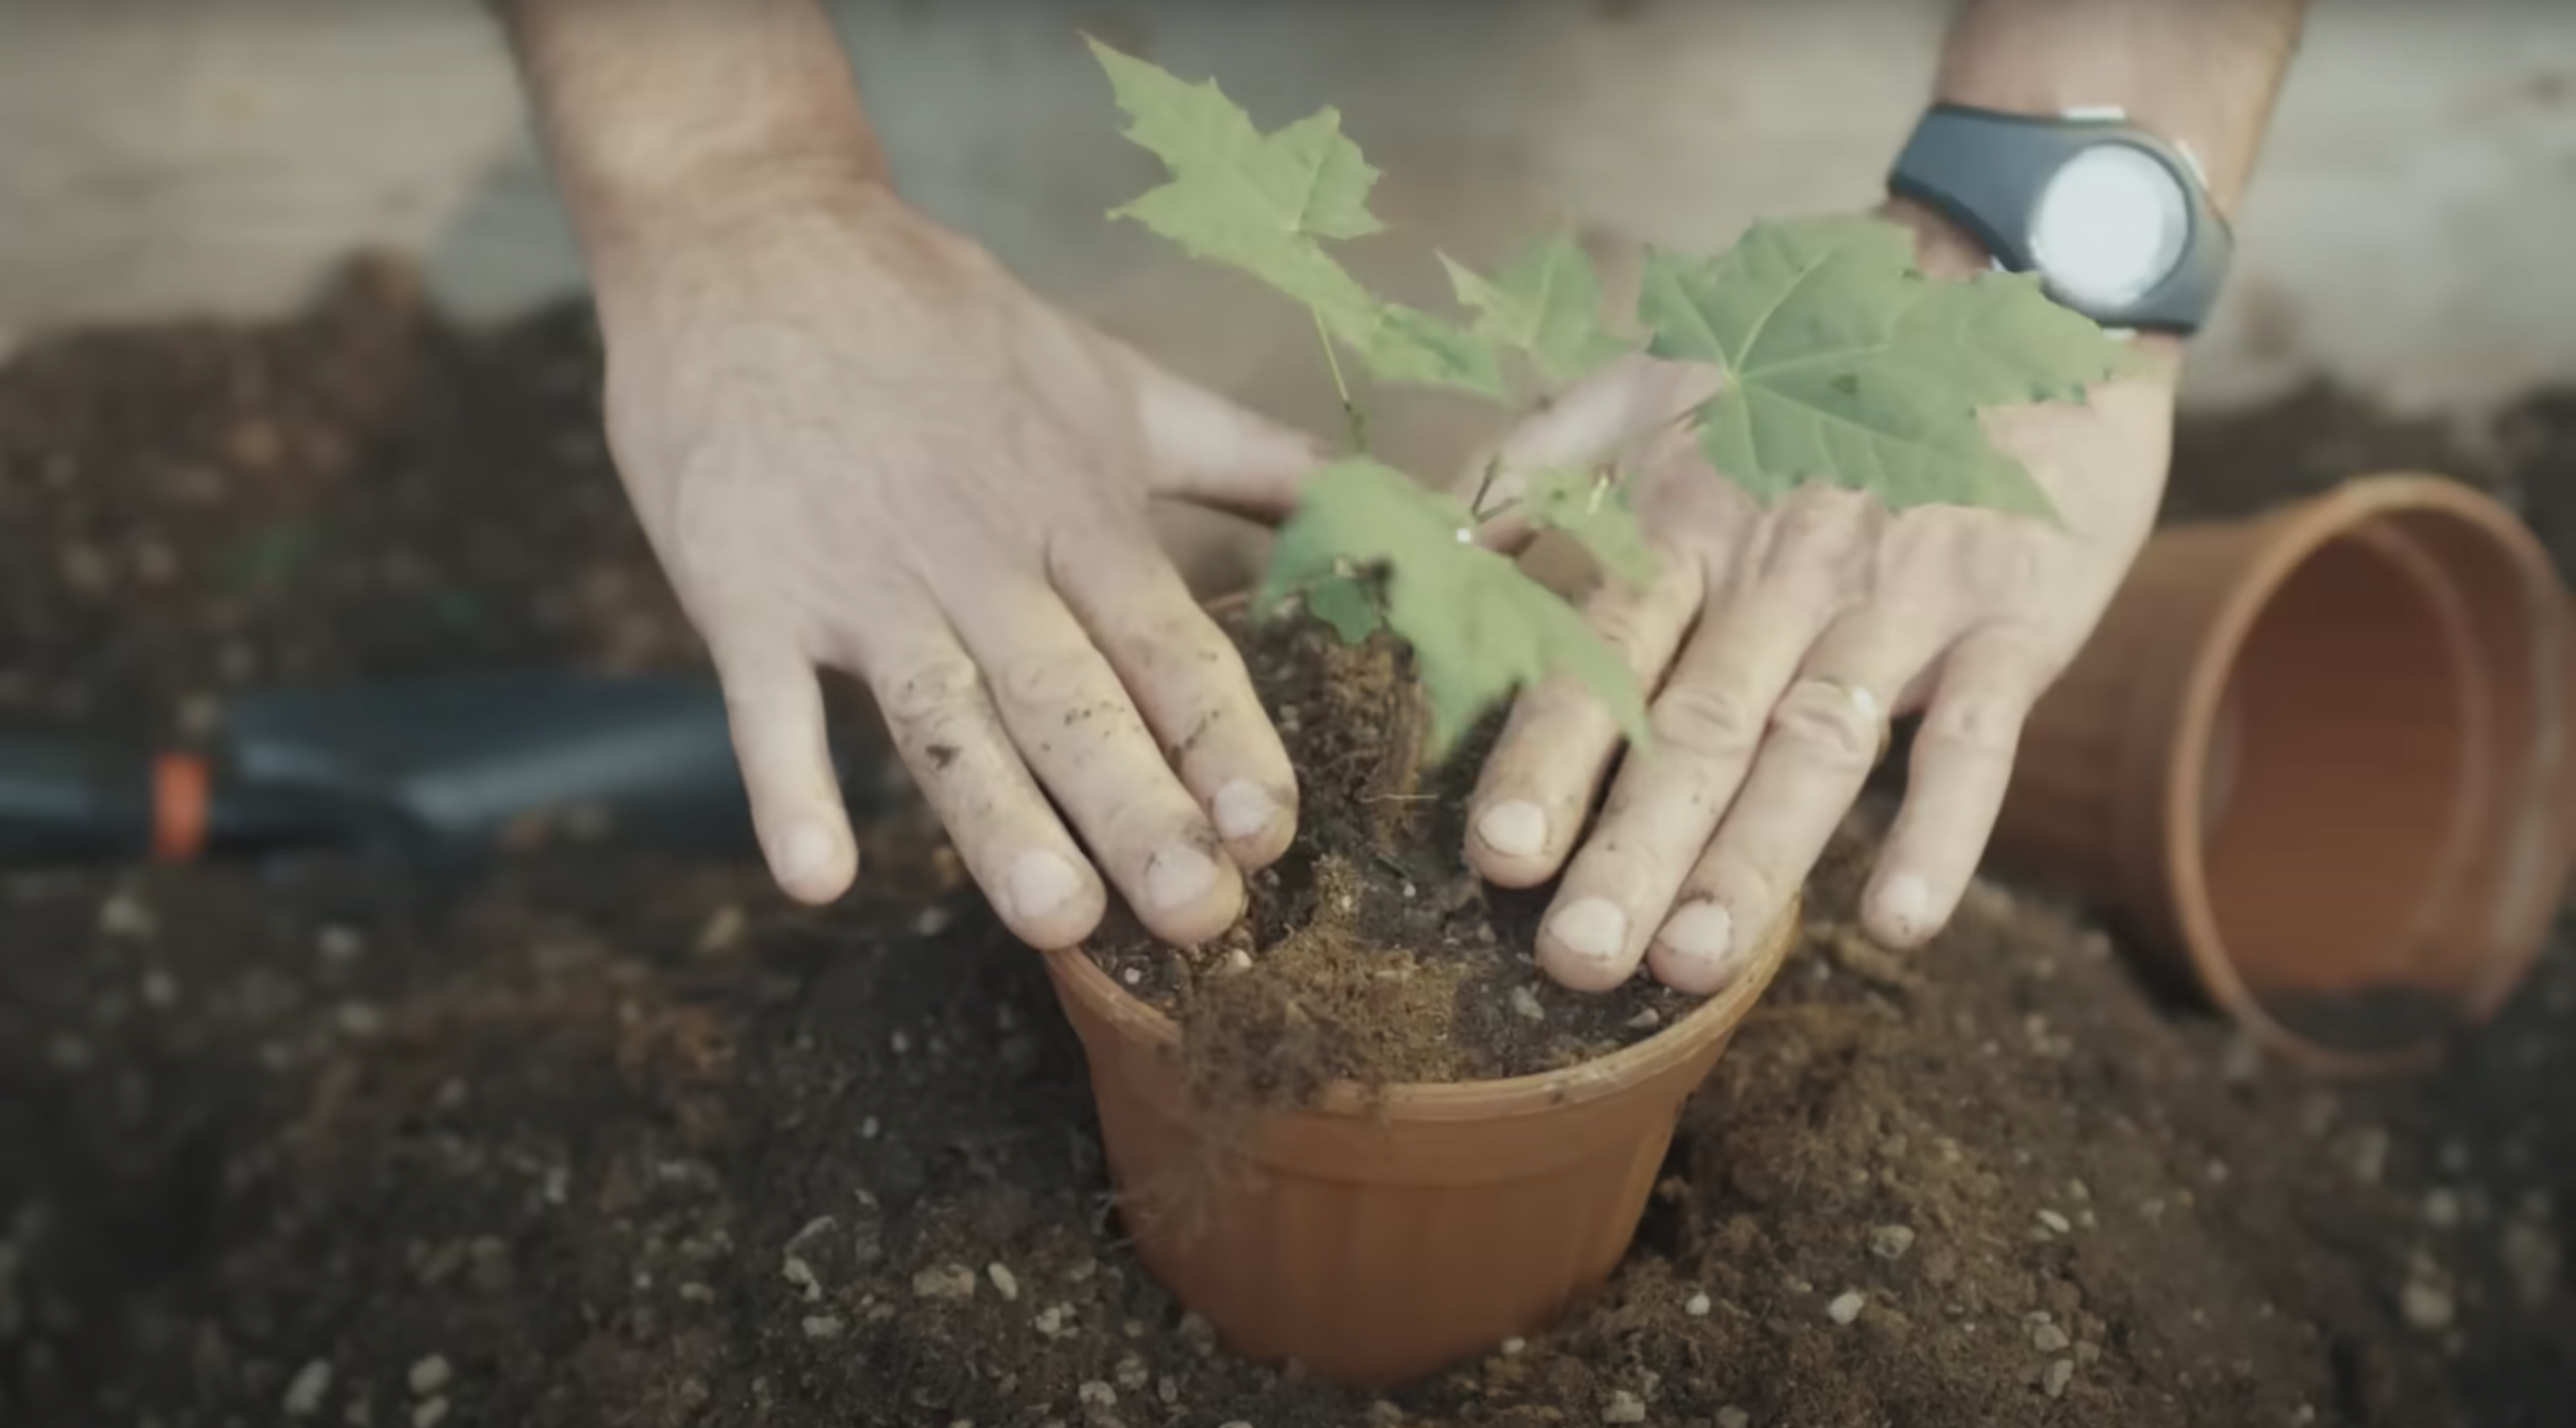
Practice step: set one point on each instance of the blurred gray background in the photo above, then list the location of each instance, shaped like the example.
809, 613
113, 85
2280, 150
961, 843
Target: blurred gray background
2408, 234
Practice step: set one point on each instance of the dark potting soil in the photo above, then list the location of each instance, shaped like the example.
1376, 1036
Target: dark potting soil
594, 1138
1370, 954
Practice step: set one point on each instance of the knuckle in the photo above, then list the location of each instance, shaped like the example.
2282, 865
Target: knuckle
1707, 718
1053, 677
934, 704
1825, 725
1979, 726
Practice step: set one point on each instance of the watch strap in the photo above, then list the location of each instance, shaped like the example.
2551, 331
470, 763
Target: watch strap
1986, 169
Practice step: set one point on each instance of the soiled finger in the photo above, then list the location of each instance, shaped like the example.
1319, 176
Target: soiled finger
1189, 683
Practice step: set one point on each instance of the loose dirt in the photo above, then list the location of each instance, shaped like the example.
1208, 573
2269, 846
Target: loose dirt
1370, 953
597, 1138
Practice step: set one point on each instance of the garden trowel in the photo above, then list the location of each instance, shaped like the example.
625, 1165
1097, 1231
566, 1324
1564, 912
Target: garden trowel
469, 765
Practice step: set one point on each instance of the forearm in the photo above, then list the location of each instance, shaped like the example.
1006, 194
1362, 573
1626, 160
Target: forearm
652, 107
2198, 73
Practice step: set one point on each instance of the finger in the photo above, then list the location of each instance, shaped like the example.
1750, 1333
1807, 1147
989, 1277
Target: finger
1207, 448
941, 716
1709, 721
1557, 743
1189, 683
1825, 733
774, 710
1081, 734
1957, 775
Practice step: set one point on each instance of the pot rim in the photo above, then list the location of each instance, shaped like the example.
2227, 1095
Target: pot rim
1495, 1099
2287, 542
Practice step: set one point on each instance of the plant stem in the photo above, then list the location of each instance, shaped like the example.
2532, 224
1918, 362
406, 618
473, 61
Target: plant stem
1476, 508
1332, 361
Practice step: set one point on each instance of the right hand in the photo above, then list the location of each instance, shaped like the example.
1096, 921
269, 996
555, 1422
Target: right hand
855, 441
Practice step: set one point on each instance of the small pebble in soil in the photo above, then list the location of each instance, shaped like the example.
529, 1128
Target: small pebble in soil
1646, 1020
1890, 1242
1525, 1002
2369, 1156
2048, 1339
1513, 1347
1095, 1394
2061, 1372
2441, 1208
429, 1413
945, 1281
1623, 1407
797, 1272
1382, 1414
2056, 1223
1733, 1417
305, 1392
1697, 1306
2428, 1306
821, 1326
1846, 1306
1133, 1375
430, 1375
1005, 1283
124, 915
869, 1128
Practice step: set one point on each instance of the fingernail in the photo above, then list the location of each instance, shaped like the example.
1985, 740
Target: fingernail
1516, 829
806, 855
1041, 884
1701, 932
1906, 904
1592, 928
1178, 876
1244, 809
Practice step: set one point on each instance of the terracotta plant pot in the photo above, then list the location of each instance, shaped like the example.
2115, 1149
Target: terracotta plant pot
2318, 763
1375, 1241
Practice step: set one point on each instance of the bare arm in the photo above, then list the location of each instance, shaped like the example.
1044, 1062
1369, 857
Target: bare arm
648, 106
2199, 73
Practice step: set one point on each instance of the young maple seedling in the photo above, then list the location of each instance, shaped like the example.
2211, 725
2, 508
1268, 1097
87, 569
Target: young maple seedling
1842, 363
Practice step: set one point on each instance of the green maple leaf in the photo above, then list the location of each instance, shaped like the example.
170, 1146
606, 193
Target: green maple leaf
1849, 366
1479, 628
1547, 304
1264, 203
1596, 513
1347, 604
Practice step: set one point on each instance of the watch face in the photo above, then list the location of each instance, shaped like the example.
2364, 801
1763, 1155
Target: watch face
2111, 224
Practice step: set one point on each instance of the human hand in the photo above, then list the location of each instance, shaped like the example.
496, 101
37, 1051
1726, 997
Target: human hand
856, 442
1778, 644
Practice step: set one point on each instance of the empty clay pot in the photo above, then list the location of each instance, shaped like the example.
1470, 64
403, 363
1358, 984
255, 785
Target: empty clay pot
2317, 762
1377, 1240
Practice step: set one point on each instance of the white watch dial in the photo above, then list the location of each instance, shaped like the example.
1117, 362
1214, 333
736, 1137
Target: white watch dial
2110, 226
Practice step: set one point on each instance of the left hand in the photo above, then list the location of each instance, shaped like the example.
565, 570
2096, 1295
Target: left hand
1777, 645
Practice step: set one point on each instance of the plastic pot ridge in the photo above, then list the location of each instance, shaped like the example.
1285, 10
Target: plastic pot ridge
2317, 761
1376, 1240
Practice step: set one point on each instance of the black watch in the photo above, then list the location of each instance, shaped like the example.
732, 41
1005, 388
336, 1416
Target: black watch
2117, 223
